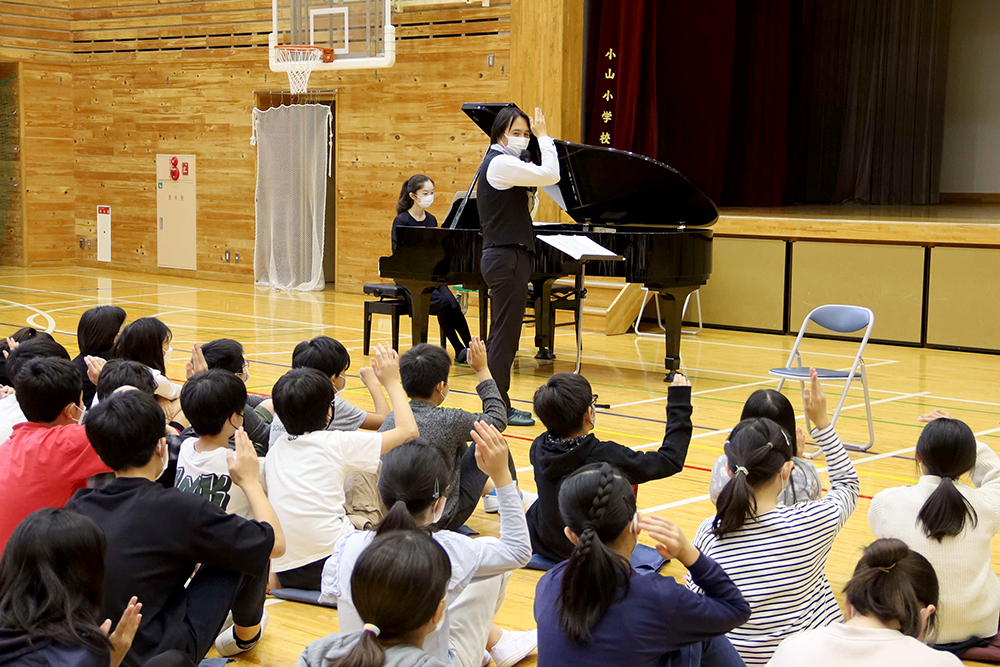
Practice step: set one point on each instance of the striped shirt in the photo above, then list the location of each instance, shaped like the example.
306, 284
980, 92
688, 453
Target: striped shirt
778, 558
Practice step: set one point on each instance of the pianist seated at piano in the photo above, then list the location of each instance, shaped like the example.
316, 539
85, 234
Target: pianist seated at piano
416, 196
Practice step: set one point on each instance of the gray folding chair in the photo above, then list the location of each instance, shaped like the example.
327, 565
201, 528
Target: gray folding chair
842, 320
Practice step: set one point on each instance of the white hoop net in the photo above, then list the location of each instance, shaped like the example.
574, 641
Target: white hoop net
300, 60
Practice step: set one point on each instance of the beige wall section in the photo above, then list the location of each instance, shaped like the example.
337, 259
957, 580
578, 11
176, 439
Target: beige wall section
747, 286
886, 278
964, 291
546, 70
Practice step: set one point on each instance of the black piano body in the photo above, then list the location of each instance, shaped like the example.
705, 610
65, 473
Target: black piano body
641, 209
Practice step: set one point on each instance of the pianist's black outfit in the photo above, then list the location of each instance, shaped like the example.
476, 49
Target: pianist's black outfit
508, 243
451, 319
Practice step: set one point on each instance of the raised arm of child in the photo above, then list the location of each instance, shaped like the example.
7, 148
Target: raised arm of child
244, 469
668, 460
513, 549
494, 410
373, 420
385, 363
845, 486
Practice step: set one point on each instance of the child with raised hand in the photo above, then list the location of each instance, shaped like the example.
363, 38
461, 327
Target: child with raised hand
413, 485
424, 371
51, 580
952, 524
157, 536
594, 609
566, 405
891, 601
776, 553
804, 482
400, 591
147, 340
331, 358
307, 467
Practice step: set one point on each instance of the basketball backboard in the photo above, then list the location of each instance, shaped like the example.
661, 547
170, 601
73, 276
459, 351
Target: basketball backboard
356, 34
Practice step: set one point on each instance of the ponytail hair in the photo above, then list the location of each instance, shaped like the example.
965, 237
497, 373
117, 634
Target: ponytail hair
410, 186
756, 451
597, 503
947, 448
414, 475
893, 583
397, 586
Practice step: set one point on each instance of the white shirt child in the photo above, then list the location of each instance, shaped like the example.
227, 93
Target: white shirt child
207, 474
305, 482
10, 416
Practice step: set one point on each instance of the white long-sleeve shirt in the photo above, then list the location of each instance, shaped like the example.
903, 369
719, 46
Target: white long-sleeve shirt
838, 645
471, 560
507, 171
969, 589
777, 559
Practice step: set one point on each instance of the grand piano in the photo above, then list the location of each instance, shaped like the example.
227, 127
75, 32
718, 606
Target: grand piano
641, 209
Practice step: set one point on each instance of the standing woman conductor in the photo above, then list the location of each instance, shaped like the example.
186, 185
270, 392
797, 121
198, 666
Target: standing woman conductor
504, 202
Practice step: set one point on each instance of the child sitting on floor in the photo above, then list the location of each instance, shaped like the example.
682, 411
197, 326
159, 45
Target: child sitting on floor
776, 553
424, 372
953, 525
307, 467
400, 591
49, 457
566, 405
804, 482
227, 354
157, 537
413, 486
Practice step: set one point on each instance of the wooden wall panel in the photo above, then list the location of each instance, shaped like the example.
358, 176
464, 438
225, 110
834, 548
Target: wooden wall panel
964, 291
888, 279
747, 286
391, 123
39, 30
12, 242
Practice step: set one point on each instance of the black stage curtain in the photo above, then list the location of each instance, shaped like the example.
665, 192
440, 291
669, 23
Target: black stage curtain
770, 102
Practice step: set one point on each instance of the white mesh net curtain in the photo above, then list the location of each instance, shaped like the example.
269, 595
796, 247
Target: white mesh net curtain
294, 144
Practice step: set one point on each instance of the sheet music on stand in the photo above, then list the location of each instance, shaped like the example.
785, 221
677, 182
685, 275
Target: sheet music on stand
578, 247
582, 249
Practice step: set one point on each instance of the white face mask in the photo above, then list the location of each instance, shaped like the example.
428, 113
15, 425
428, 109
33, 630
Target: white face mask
439, 512
440, 623
164, 460
83, 413
425, 202
516, 144
167, 354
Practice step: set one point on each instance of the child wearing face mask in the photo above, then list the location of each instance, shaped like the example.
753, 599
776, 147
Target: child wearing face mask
157, 536
415, 198
776, 553
567, 407
424, 371
48, 457
307, 468
413, 485
147, 340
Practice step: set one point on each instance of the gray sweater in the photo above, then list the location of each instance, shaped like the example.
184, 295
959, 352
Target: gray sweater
338, 645
448, 429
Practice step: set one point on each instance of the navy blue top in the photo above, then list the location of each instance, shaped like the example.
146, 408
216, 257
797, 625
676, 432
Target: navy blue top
659, 616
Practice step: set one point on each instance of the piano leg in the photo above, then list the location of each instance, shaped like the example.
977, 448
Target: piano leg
544, 314
671, 305
420, 307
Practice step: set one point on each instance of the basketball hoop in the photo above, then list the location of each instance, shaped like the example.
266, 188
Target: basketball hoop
300, 61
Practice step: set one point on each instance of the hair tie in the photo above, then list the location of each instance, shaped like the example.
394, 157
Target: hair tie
886, 569
401, 498
589, 526
372, 628
741, 469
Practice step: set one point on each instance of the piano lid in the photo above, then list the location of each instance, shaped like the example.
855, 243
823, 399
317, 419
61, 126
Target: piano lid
606, 186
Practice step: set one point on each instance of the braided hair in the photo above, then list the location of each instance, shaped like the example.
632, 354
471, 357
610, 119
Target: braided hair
756, 451
596, 503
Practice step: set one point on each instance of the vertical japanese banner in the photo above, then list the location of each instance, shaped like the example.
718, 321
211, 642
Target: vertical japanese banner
623, 102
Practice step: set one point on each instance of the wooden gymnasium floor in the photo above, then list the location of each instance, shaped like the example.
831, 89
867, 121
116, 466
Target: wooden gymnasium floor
625, 371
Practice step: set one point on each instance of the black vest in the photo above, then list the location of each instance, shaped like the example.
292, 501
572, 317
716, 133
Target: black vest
503, 214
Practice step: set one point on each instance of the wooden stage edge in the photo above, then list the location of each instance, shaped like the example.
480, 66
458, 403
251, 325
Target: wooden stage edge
953, 224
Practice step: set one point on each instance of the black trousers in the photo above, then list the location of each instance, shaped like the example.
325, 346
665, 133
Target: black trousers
207, 600
470, 486
307, 577
506, 270
450, 318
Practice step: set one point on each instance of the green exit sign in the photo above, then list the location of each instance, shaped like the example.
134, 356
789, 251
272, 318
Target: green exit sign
159, 185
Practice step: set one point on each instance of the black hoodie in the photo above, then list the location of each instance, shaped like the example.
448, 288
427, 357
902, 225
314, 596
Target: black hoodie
554, 460
16, 650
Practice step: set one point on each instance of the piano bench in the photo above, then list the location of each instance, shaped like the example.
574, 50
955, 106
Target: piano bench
562, 297
387, 304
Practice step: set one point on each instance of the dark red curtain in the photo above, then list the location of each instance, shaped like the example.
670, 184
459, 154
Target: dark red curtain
622, 76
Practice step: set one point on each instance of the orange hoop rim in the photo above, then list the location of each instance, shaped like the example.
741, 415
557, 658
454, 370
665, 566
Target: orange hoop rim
325, 55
